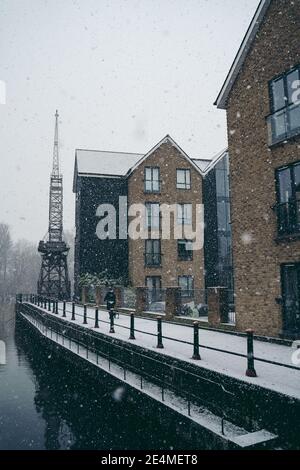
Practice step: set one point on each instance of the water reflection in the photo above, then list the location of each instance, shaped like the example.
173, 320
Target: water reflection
47, 404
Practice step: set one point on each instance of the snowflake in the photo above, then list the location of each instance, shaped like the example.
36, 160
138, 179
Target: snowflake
246, 238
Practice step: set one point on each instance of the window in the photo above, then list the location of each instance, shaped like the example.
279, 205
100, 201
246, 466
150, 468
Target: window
152, 181
154, 293
288, 199
290, 281
152, 253
153, 282
152, 215
185, 250
186, 283
284, 120
184, 214
184, 179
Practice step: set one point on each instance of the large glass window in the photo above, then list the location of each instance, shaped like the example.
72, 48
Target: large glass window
184, 214
288, 199
152, 181
152, 253
184, 179
152, 215
284, 120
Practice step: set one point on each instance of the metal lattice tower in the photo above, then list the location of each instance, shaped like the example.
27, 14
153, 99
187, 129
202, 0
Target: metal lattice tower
54, 277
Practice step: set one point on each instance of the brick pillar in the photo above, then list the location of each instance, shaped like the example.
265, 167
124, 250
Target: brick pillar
172, 302
118, 293
140, 300
217, 303
98, 295
84, 294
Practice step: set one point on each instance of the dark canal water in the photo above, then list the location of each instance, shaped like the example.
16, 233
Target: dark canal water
47, 404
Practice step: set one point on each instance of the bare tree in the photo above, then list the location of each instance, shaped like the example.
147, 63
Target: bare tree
5, 247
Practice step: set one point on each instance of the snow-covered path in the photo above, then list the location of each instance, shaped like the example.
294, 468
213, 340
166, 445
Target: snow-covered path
270, 376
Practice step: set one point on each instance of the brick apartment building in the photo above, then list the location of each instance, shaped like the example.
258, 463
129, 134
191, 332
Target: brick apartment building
263, 117
165, 175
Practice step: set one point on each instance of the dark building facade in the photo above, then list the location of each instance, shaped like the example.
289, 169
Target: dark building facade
217, 238
92, 255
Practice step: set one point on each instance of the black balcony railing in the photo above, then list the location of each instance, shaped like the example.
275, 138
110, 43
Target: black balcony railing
152, 259
288, 217
284, 124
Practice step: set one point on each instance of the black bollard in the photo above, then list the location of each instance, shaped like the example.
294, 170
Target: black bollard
159, 334
132, 326
196, 354
250, 372
56, 307
64, 309
49, 304
96, 318
111, 317
84, 315
53, 306
73, 311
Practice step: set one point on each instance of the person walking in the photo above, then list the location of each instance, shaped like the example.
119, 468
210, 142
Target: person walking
110, 299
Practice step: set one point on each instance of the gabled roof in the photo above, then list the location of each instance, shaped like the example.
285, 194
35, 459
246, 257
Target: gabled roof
102, 164
169, 139
239, 60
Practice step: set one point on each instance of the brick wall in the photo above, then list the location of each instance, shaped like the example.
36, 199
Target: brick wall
257, 257
168, 158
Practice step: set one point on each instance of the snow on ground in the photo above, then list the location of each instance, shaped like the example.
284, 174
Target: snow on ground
270, 376
198, 414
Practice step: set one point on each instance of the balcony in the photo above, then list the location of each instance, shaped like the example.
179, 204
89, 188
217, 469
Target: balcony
283, 124
288, 218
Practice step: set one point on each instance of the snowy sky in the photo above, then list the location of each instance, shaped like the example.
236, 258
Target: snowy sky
122, 75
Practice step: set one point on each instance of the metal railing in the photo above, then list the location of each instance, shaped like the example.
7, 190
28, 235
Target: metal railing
53, 331
72, 311
288, 217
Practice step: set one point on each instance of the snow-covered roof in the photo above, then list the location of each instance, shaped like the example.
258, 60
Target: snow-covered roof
201, 163
242, 53
98, 163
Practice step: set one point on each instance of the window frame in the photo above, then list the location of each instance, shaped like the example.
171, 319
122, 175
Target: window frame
151, 168
189, 291
151, 227
152, 254
284, 111
286, 318
153, 277
186, 171
182, 221
190, 252
291, 205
